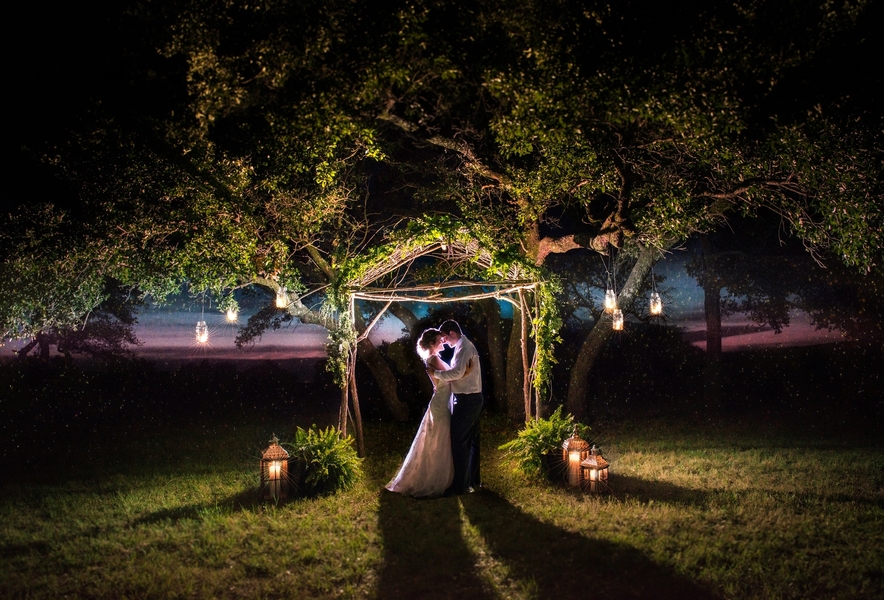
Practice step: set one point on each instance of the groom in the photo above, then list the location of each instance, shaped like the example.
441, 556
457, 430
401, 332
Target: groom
465, 410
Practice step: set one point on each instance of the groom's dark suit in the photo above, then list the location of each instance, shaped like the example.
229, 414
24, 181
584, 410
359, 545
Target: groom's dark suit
465, 411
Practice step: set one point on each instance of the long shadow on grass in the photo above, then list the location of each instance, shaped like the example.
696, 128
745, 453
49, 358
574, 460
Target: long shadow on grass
246, 500
645, 490
425, 555
561, 563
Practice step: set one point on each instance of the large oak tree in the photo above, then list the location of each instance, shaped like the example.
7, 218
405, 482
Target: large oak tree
293, 136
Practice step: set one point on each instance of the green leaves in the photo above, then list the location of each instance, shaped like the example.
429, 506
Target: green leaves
327, 462
541, 438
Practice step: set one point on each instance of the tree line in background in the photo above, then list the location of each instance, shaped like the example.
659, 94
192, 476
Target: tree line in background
220, 145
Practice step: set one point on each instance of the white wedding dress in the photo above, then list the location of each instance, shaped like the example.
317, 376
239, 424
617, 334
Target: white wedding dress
428, 469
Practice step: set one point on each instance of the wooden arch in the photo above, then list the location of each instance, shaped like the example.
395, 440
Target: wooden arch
516, 285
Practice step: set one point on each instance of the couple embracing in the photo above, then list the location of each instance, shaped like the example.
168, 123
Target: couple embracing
444, 456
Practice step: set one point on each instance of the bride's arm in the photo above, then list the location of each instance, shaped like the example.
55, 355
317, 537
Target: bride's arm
435, 364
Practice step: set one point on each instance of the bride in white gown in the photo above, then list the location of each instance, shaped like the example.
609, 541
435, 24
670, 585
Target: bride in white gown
428, 468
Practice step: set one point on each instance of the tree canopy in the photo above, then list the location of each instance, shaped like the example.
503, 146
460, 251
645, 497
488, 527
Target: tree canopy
276, 142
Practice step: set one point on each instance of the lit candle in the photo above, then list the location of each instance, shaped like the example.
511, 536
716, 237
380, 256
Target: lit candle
656, 304
574, 468
202, 332
610, 300
281, 299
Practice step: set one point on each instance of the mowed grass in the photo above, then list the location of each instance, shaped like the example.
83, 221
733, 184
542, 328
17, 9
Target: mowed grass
697, 509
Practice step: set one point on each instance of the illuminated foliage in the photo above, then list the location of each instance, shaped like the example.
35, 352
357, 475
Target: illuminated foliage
298, 143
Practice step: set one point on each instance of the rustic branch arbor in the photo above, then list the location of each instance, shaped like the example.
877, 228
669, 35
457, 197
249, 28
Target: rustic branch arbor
458, 253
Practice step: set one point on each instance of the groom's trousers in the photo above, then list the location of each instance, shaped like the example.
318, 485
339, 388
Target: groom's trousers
465, 413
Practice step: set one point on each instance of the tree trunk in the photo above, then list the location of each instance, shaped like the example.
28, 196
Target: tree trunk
385, 379
515, 399
496, 357
43, 342
415, 365
382, 374
27, 348
357, 414
577, 402
404, 314
712, 305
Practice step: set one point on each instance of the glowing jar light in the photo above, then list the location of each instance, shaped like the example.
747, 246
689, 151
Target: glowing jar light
202, 332
610, 301
232, 315
595, 471
282, 299
574, 450
656, 304
617, 320
274, 471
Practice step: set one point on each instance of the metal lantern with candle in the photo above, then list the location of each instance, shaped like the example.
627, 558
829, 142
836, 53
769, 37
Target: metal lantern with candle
274, 471
574, 450
594, 471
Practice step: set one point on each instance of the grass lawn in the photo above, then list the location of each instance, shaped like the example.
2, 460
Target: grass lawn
719, 508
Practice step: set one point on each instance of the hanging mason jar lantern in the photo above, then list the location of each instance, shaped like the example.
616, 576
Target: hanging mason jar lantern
232, 315
610, 301
656, 304
574, 450
594, 471
274, 471
617, 320
202, 332
282, 300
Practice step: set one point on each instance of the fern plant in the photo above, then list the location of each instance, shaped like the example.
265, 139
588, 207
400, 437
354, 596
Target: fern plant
539, 441
326, 462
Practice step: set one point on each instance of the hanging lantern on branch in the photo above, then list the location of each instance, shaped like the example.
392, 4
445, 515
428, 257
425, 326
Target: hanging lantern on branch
282, 299
610, 300
574, 450
202, 332
230, 307
274, 471
656, 304
617, 320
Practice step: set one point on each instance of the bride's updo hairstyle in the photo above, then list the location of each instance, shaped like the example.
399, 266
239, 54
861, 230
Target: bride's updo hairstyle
426, 342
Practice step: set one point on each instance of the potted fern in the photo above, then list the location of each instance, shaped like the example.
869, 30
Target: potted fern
537, 450
325, 462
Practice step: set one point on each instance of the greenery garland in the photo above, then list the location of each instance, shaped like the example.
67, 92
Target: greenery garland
421, 233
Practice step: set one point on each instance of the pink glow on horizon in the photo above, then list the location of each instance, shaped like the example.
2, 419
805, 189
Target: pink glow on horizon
739, 333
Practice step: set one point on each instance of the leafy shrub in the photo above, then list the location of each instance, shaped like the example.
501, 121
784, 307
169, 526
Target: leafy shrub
539, 442
325, 463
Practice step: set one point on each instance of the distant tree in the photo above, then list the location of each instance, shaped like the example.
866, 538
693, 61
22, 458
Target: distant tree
107, 332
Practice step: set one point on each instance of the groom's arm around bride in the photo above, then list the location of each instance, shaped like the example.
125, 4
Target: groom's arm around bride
466, 385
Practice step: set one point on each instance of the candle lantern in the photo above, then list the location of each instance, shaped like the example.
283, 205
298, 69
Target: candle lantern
610, 300
282, 300
656, 304
574, 450
594, 471
202, 332
274, 471
617, 320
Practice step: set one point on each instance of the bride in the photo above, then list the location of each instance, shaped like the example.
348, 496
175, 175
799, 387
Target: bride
428, 468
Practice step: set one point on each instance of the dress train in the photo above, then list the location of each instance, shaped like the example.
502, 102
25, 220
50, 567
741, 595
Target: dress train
428, 468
